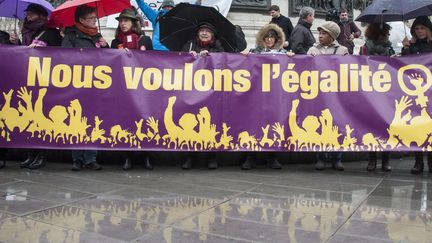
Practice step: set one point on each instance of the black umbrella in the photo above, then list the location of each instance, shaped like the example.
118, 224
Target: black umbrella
179, 26
395, 10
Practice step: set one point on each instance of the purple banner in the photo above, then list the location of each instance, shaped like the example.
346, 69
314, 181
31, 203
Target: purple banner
113, 99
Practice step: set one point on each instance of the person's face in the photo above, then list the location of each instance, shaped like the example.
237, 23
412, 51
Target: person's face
324, 38
89, 20
205, 34
125, 24
31, 16
343, 16
421, 31
310, 18
274, 13
270, 40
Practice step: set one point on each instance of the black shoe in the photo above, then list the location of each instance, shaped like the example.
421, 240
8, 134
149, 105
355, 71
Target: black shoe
338, 166
93, 166
386, 166
371, 165
31, 157
128, 164
38, 163
248, 164
188, 164
319, 165
274, 164
418, 167
147, 164
77, 165
2, 163
212, 164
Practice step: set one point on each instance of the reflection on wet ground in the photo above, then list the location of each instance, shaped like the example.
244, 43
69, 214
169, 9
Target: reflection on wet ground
296, 204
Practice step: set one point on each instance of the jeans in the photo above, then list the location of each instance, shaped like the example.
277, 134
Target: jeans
86, 156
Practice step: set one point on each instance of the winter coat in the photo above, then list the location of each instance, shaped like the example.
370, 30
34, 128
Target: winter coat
284, 23
375, 48
192, 45
333, 49
420, 46
153, 16
76, 38
46, 37
301, 37
142, 41
4, 37
347, 29
261, 48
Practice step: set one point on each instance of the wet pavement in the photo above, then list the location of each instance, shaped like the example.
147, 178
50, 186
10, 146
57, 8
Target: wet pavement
296, 204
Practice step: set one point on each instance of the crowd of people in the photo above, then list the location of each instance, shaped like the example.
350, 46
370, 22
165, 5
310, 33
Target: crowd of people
277, 37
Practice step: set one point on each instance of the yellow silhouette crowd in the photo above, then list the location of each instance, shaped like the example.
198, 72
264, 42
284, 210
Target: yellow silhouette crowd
68, 125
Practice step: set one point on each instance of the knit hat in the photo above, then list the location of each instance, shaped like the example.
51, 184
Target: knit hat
167, 3
128, 13
331, 28
423, 20
206, 25
37, 9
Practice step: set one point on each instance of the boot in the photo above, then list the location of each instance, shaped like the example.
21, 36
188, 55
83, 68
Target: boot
77, 165
274, 164
93, 166
2, 163
31, 157
187, 164
319, 165
372, 161
338, 166
429, 160
212, 164
147, 164
385, 162
38, 162
128, 164
419, 165
248, 163
2, 158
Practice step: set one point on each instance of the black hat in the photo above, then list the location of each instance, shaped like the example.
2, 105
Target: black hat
128, 13
37, 9
422, 20
206, 25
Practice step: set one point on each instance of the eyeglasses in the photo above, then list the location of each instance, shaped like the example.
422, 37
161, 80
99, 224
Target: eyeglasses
269, 37
91, 18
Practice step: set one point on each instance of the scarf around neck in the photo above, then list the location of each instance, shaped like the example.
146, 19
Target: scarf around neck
30, 29
90, 31
128, 39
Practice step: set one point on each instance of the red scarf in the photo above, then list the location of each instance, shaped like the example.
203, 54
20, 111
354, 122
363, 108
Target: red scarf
206, 44
90, 31
127, 40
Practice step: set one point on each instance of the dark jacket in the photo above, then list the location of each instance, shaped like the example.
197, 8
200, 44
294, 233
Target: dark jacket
346, 30
375, 48
48, 37
75, 38
301, 38
192, 45
142, 41
4, 37
420, 46
285, 24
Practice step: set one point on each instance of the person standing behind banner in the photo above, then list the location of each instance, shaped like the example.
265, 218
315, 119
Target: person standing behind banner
35, 33
204, 42
84, 34
154, 16
269, 40
328, 45
377, 44
4, 39
128, 35
283, 22
349, 31
421, 42
301, 38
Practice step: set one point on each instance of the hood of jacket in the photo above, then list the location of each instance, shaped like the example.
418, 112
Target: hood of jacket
263, 32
